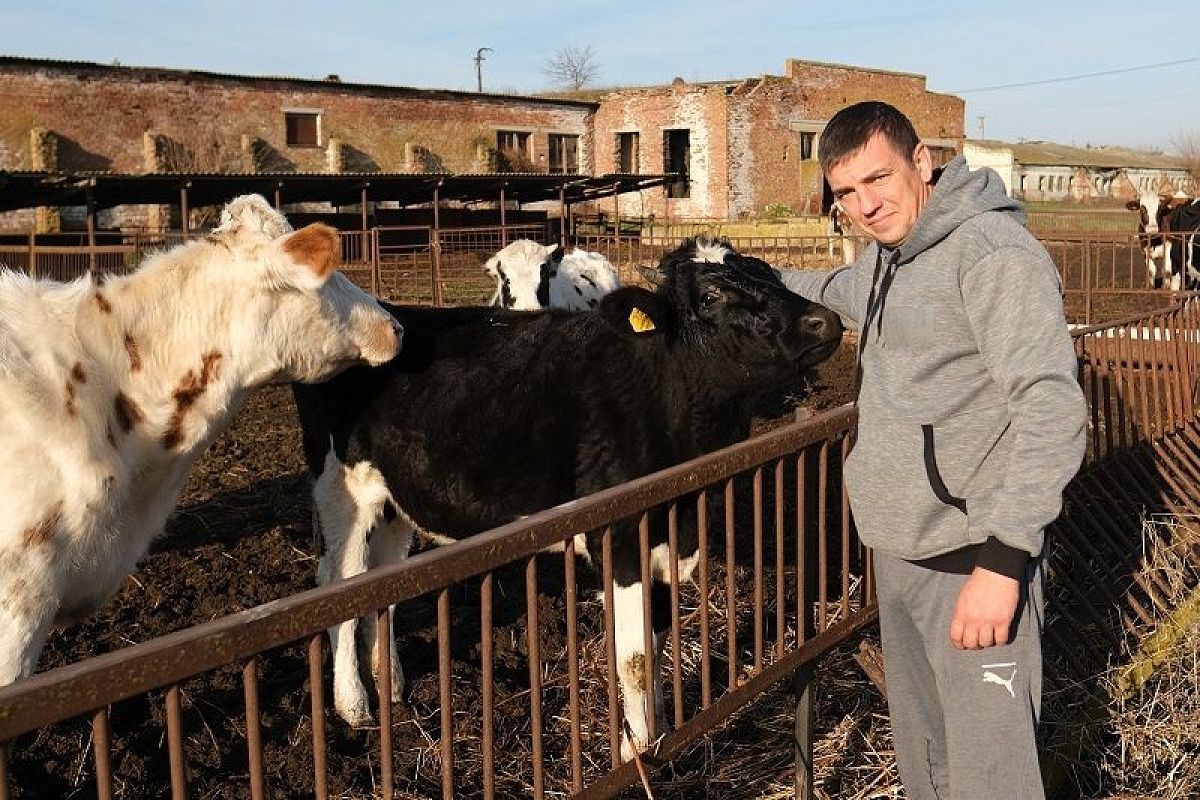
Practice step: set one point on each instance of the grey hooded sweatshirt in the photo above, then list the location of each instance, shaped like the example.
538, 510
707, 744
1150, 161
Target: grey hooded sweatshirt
971, 419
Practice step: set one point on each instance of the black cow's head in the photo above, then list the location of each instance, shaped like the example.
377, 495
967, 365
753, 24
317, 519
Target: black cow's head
712, 301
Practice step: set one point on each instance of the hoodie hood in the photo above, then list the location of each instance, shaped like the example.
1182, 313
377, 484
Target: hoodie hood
958, 195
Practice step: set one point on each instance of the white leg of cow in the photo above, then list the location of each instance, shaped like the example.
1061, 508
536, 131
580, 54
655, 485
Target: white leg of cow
23, 631
389, 544
632, 664
349, 502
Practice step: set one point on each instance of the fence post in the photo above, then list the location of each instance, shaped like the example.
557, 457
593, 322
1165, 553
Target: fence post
373, 261
32, 259
1087, 281
802, 733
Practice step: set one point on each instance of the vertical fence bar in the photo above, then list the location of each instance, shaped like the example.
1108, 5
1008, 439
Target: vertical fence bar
779, 562
1155, 378
705, 641
649, 673
573, 665
823, 539
614, 711
316, 684
102, 746
175, 743
533, 637
258, 782
445, 695
486, 655
845, 514
758, 570
803, 608
4, 791
383, 690
673, 565
730, 590
1144, 384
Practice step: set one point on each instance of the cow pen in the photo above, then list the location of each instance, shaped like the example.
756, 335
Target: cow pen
782, 580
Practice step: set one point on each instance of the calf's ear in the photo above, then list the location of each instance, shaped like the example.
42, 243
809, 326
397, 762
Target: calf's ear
316, 248
634, 311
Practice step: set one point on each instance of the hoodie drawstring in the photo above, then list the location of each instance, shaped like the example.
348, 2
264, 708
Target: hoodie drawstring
881, 282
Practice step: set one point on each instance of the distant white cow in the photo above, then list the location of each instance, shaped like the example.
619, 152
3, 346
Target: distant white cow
112, 388
529, 276
1167, 228
841, 236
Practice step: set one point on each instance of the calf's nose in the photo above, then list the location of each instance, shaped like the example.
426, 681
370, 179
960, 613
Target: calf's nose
821, 323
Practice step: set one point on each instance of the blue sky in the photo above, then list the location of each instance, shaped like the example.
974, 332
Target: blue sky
959, 46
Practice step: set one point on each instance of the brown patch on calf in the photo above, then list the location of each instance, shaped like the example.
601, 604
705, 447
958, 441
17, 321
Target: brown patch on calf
135, 353
43, 531
190, 388
315, 246
70, 399
635, 670
102, 301
77, 373
128, 413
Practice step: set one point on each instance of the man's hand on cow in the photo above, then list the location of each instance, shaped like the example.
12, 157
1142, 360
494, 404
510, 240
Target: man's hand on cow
984, 610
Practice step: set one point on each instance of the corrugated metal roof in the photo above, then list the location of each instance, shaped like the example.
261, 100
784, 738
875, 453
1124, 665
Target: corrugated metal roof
158, 73
107, 189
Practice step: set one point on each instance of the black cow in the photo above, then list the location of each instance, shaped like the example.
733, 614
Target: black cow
488, 415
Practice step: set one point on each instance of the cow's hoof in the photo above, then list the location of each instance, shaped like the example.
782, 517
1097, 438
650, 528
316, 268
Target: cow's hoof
354, 708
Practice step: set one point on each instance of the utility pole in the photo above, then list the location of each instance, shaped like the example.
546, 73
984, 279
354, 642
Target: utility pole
479, 67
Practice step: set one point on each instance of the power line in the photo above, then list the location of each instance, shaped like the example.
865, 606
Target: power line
1077, 77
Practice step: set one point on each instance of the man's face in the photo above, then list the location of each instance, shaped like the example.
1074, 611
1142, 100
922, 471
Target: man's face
882, 191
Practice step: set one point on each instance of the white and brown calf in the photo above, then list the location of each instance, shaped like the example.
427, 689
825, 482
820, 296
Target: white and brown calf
110, 390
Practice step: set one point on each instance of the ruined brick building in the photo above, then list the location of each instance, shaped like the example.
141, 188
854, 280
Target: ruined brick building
739, 146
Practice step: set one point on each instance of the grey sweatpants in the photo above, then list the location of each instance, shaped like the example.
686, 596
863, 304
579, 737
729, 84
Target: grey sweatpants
963, 720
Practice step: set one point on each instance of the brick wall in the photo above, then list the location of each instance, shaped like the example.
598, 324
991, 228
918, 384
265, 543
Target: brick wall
746, 134
99, 116
138, 119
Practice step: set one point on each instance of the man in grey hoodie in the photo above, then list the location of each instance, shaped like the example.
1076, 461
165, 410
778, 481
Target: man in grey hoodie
971, 422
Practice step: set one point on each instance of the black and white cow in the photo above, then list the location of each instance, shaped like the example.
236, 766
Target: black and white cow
489, 415
1167, 228
530, 276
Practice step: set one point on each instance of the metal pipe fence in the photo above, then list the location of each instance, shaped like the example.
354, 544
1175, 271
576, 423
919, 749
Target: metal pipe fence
781, 579
1103, 274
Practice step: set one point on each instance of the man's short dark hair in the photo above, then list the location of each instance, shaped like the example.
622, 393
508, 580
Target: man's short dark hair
851, 127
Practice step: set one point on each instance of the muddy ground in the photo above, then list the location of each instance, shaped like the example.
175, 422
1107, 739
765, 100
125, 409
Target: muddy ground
242, 537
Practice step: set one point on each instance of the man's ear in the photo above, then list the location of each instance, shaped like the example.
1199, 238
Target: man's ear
924, 161
634, 311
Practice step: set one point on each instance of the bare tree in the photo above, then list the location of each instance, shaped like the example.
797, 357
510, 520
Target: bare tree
1188, 145
572, 66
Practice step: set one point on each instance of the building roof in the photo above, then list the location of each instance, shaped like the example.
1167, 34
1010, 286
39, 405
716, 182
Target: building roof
331, 83
1049, 154
107, 189
729, 83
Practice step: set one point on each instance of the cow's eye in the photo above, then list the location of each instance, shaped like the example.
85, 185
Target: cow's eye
709, 299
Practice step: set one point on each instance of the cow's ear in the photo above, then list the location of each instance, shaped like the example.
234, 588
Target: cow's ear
634, 311
316, 248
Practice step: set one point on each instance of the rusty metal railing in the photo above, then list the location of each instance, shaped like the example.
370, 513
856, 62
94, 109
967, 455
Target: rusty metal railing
788, 581
1139, 375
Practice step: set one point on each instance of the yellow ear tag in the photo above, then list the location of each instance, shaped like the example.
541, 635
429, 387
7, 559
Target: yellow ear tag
640, 321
